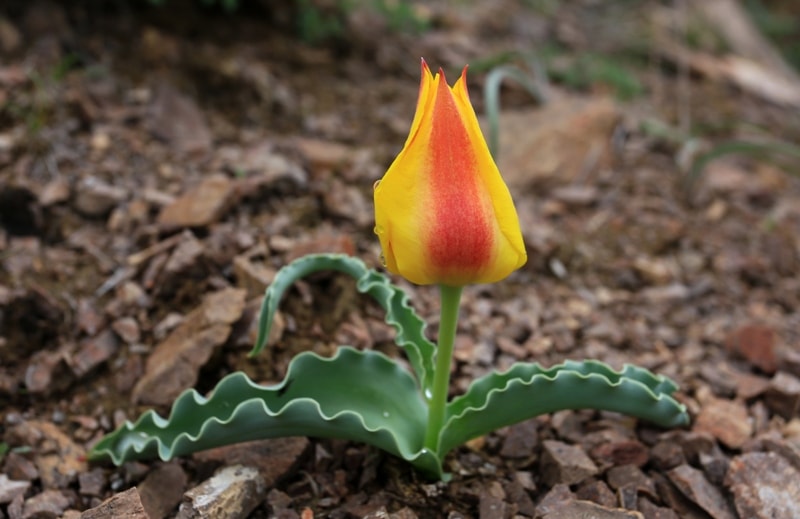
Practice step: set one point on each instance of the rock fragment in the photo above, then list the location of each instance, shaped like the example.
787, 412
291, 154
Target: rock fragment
125, 505
9, 489
176, 118
567, 464
756, 344
232, 493
96, 198
694, 485
162, 490
783, 395
174, 364
578, 508
204, 204
50, 503
273, 458
764, 486
726, 420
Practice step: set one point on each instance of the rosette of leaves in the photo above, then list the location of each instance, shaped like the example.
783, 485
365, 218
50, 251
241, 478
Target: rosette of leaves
369, 397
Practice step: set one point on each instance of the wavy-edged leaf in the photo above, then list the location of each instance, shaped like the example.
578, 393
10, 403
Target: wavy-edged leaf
409, 326
362, 396
528, 390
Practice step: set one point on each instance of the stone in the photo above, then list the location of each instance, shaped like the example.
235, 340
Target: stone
520, 440
9, 489
725, 420
232, 493
783, 395
552, 501
125, 505
96, 198
176, 118
93, 352
557, 142
162, 490
621, 452
48, 504
631, 476
127, 329
578, 508
596, 491
566, 464
694, 485
756, 344
200, 206
17, 466
275, 458
174, 364
764, 486
59, 461
92, 483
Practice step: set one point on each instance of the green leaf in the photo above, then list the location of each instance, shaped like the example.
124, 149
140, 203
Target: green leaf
399, 314
355, 395
528, 390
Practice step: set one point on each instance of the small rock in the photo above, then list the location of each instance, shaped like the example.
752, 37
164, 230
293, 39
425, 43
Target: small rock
725, 420
125, 505
764, 486
783, 395
520, 440
200, 206
92, 352
693, 484
96, 198
89, 320
556, 498
127, 328
177, 119
9, 489
756, 343
174, 364
598, 492
563, 463
274, 458
576, 195
254, 277
587, 509
266, 167
231, 493
48, 504
162, 489
557, 142
631, 476
621, 452
58, 459
47, 372
347, 201
651, 511
17, 466
92, 483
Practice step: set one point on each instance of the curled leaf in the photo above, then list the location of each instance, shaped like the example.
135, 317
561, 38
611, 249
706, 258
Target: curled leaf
409, 326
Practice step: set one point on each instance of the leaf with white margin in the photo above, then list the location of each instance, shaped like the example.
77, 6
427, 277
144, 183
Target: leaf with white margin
409, 326
356, 395
528, 390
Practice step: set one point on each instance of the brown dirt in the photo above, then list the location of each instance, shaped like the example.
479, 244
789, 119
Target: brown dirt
150, 156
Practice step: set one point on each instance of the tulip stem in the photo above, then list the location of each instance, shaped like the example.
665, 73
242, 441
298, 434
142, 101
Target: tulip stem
450, 299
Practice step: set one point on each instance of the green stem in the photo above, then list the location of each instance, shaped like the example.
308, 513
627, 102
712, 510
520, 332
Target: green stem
451, 297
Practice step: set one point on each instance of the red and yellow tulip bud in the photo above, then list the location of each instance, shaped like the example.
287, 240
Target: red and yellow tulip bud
442, 211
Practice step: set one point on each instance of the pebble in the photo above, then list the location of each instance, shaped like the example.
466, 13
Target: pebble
127, 505
578, 508
177, 119
175, 363
755, 343
564, 463
9, 488
694, 485
783, 395
202, 205
96, 198
726, 420
48, 504
162, 490
764, 486
232, 493
93, 352
275, 458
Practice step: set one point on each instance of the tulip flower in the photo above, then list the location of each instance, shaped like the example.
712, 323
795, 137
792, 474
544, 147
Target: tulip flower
442, 211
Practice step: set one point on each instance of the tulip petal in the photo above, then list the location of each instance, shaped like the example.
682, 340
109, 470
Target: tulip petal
443, 214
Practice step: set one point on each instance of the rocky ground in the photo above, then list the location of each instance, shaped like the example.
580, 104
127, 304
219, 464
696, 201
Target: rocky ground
158, 164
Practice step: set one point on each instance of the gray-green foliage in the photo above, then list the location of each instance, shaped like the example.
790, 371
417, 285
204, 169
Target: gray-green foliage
369, 397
